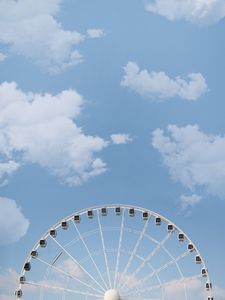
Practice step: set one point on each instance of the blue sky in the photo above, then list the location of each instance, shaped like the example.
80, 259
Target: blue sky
112, 102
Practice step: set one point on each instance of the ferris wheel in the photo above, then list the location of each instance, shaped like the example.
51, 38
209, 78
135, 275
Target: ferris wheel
114, 252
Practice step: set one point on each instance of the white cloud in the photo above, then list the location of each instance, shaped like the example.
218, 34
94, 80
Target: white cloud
95, 33
120, 138
30, 29
8, 284
41, 129
8, 280
7, 169
159, 86
6, 297
195, 159
202, 12
189, 201
219, 293
2, 56
70, 267
174, 290
13, 224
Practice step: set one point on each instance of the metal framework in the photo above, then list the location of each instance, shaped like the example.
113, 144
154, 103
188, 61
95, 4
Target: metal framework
112, 252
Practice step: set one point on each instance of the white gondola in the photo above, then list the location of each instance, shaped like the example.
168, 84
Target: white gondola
77, 218
27, 266
208, 286
22, 279
131, 212
19, 293
64, 225
104, 211
90, 214
34, 253
43, 243
158, 221
170, 227
53, 233
118, 211
181, 237
190, 247
198, 259
145, 216
204, 272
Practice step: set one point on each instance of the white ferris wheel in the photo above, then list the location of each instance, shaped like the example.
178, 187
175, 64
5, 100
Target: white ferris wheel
114, 252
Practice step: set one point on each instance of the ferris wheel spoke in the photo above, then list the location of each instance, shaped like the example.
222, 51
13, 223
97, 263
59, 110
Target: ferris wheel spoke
163, 285
104, 250
59, 288
141, 298
59, 270
119, 249
179, 270
89, 253
133, 253
124, 289
78, 264
152, 253
163, 267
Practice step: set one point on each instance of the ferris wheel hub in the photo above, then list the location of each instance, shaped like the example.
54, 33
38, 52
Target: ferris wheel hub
111, 295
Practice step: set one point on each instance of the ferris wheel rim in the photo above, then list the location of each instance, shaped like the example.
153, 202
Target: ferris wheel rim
111, 206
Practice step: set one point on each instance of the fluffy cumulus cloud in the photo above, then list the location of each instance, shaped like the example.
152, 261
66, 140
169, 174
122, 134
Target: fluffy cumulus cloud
194, 158
13, 224
158, 86
203, 12
30, 29
119, 138
41, 129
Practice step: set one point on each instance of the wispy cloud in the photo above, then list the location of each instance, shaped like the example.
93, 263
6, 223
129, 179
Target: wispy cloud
2, 56
204, 12
195, 159
119, 138
187, 202
70, 267
194, 287
158, 86
219, 293
95, 33
13, 224
7, 169
8, 283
